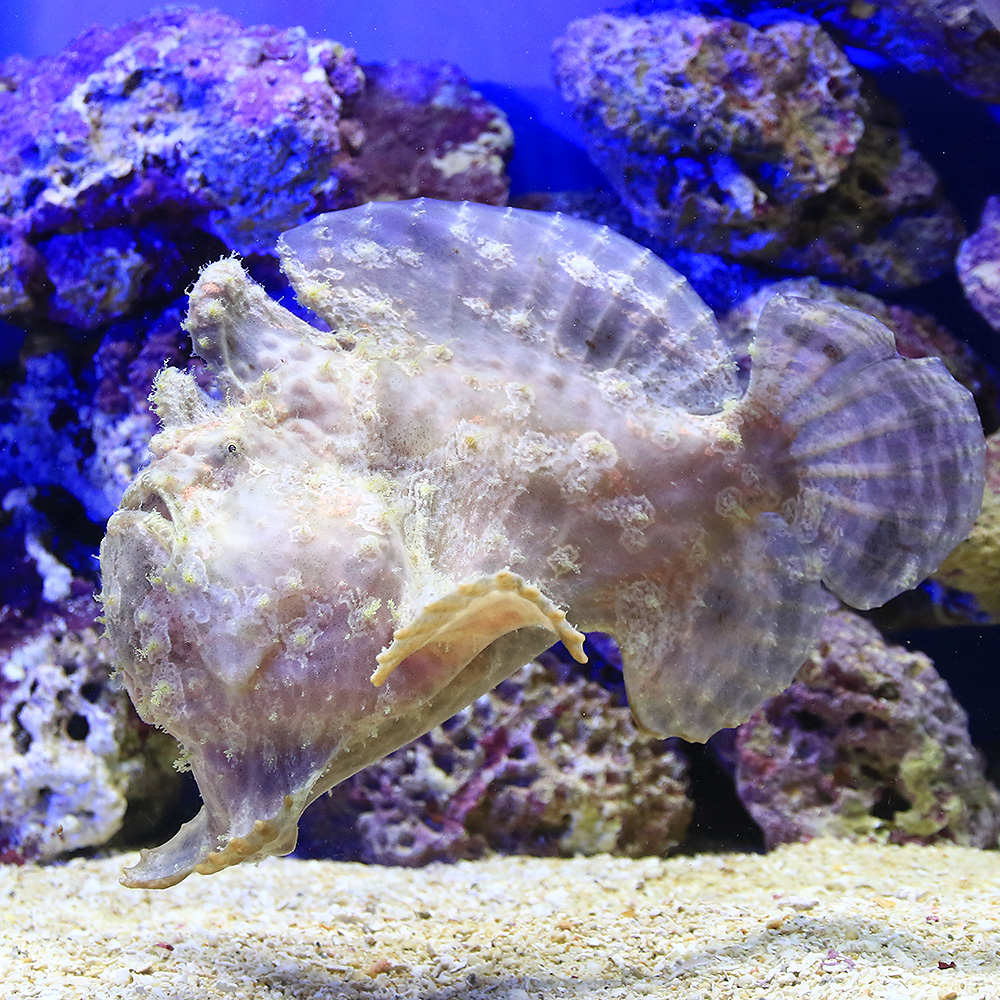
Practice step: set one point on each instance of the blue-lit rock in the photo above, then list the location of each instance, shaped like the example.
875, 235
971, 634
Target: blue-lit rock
868, 743
549, 763
978, 264
140, 152
762, 144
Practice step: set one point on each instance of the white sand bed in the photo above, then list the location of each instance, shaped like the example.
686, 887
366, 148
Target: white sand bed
824, 920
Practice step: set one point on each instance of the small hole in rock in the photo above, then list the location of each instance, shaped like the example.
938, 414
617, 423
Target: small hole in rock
91, 691
77, 727
888, 804
809, 722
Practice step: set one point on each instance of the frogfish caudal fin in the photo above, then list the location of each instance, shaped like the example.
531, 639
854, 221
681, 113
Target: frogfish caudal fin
880, 458
889, 451
888, 457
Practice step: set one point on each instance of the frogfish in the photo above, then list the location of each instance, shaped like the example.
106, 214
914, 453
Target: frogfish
501, 429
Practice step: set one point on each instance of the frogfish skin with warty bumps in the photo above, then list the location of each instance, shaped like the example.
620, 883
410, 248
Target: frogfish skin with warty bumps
506, 429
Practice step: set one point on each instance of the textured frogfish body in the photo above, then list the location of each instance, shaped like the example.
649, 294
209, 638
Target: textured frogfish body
516, 428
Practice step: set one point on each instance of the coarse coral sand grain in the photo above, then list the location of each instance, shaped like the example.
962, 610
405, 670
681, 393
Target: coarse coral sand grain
819, 920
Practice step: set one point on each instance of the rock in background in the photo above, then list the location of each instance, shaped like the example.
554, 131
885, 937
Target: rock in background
978, 264
974, 566
764, 145
548, 763
868, 743
953, 39
139, 153
74, 756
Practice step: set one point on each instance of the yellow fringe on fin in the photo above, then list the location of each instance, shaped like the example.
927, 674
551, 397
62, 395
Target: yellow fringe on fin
439, 618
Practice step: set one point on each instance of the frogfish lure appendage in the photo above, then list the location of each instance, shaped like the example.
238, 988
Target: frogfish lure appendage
513, 428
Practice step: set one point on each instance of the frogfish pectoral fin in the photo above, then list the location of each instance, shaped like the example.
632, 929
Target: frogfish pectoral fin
196, 848
452, 631
734, 634
168, 864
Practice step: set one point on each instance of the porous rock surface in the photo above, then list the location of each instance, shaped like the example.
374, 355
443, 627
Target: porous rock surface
427, 133
82, 429
139, 152
73, 753
978, 264
548, 763
952, 38
868, 743
763, 144
974, 565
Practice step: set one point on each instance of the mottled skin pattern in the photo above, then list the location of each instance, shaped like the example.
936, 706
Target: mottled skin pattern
521, 427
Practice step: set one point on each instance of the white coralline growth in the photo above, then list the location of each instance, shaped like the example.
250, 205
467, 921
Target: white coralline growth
517, 428
70, 759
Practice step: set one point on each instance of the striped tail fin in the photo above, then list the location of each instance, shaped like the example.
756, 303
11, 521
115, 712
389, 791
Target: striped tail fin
882, 461
888, 452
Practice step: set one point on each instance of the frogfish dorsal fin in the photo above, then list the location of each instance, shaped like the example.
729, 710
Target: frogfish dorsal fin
458, 627
237, 328
484, 280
